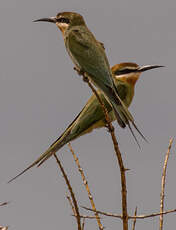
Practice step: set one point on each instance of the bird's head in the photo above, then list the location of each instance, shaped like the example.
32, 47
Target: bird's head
130, 72
64, 20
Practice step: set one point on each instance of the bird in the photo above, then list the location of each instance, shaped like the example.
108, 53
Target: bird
92, 117
90, 60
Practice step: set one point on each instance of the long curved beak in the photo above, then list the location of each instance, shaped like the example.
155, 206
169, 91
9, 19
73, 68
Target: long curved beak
51, 19
148, 67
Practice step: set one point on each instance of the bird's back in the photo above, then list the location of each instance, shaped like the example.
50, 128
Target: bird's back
88, 54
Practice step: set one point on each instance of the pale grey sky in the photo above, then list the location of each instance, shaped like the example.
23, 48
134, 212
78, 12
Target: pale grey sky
40, 95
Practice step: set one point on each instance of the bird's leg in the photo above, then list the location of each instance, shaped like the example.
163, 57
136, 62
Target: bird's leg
81, 73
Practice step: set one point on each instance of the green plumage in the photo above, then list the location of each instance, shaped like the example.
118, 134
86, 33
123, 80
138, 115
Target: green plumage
89, 56
90, 117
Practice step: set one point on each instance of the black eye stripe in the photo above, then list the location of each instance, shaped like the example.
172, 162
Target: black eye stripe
63, 20
125, 71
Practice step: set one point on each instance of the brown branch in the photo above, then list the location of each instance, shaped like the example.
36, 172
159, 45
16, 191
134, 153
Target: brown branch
117, 151
71, 205
134, 221
85, 182
86, 217
163, 181
130, 217
104, 213
74, 212
152, 215
71, 192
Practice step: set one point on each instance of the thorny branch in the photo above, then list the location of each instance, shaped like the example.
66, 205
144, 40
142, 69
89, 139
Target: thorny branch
117, 151
131, 217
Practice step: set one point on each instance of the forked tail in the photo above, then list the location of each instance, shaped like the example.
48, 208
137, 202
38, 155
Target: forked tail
124, 118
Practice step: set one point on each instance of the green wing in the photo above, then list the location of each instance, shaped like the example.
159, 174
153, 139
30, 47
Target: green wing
91, 114
89, 55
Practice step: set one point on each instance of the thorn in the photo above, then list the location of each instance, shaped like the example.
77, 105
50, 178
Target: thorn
127, 170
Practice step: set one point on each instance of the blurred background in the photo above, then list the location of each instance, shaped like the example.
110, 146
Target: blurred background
40, 95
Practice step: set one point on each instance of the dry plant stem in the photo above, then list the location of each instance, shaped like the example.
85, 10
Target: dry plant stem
104, 213
152, 215
86, 186
118, 154
71, 205
86, 217
163, 181
74, 212
131, 217
134, 221
71, 192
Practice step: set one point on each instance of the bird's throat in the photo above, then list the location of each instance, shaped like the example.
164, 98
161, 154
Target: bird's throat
63, 27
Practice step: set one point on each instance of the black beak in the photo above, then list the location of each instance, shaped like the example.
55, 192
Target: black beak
148, 67
52, 20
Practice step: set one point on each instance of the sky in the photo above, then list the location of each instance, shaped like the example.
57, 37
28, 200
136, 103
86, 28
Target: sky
40, 94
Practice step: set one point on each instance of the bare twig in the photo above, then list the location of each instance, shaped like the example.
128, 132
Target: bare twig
85, 182
71, 192
117, 151
104, 213
74, 212
152, 215
163, 181
134, 221
71, 205
131, 217
86, 217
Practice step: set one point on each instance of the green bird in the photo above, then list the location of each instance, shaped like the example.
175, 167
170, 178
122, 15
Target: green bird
92, 116
89, 57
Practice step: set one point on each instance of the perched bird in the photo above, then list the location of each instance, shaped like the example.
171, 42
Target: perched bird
92, 116
88, 56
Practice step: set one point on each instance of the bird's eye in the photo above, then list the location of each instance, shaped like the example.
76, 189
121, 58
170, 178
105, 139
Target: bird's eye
63, 20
